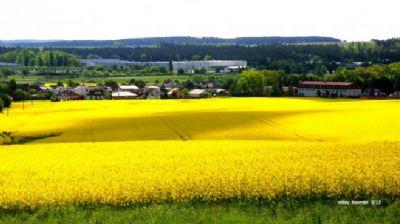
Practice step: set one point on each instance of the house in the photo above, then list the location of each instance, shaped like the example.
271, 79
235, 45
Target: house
206, 85
123, 95
65, 94
129, 88
375, 93
45, 88
93, 92
221, 92
199, 93
97, 93
175, 93
231, 69
153, 92
340, 89
168, 84
289, 90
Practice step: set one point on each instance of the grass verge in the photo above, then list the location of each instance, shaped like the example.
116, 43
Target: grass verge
222, 212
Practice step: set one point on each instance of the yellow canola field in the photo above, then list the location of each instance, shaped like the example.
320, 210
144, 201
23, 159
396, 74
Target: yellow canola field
126, 152
211, 119
151, 171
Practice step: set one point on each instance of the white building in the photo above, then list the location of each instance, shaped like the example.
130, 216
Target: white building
340, 89
129, 88
123, 95
104, 62
151, 63
190, 65
198, 93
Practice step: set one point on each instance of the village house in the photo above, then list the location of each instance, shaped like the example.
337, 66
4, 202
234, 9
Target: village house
338, 89
175, 93
129, 88
289, 90
93, 92
123, 95
65, 94
221, 92
153, 92
97, 93
199, 93
206, 85
373, 93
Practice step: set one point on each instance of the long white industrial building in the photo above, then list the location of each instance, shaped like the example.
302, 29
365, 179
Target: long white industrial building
176, 65
186, 65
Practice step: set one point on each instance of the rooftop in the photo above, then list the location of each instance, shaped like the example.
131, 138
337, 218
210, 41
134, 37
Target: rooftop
318, 83
123, 94
130, 87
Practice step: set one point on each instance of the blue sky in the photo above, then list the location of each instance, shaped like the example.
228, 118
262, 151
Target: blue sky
104, 19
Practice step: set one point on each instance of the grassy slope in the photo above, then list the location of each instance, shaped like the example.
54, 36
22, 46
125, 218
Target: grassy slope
233, 212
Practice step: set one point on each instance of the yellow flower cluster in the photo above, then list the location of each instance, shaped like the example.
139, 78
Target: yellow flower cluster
126, 152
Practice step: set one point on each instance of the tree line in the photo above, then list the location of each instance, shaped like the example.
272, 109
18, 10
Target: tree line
39, 57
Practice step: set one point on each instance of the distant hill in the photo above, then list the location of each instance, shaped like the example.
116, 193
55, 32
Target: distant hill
154, 41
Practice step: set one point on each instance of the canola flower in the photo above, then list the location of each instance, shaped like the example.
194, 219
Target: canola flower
129, 152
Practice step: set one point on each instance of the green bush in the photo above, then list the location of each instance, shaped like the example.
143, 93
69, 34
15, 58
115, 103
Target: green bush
6, 100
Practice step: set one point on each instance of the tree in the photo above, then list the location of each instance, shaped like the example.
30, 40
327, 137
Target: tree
1, 105
12, 86
242, 86
397, 82
112, 84
197, 79
25, 71
140, 83
180, 71
51, 59
170, 66
251, 82
6, 100
208, 58
6, 71
72, 83
20, 95
196, 57
384, 84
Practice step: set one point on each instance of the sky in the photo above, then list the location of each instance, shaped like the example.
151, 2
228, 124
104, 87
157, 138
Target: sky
351, 20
